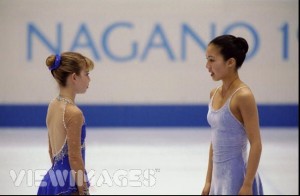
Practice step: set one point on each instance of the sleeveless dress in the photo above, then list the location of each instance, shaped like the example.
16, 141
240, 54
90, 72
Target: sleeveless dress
59, 180
230, 154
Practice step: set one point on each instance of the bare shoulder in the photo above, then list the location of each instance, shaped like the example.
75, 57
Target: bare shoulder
244, 95
72, 111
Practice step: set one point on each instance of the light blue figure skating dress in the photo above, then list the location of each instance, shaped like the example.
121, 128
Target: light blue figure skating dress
229, 143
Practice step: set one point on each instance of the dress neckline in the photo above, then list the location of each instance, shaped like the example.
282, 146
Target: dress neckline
227, 100
64, 99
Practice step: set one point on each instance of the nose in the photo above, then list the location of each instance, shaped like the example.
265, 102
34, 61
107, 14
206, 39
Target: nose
207, 65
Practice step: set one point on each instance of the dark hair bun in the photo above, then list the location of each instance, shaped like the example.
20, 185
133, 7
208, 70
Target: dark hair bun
243, 44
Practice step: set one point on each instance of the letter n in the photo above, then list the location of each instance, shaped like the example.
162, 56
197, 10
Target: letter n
33, 31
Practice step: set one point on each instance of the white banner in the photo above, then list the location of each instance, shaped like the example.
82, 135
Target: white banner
147, 51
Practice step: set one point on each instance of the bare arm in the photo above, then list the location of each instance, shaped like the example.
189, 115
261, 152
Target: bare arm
74, 125
248, 110
206, 188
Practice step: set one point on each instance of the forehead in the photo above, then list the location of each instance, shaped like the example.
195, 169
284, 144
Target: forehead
212, 50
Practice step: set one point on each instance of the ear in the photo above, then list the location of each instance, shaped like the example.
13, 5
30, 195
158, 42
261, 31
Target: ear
231, 62
73, 77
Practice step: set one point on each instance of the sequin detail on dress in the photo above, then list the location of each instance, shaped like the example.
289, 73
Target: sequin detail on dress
59, 180
63, 152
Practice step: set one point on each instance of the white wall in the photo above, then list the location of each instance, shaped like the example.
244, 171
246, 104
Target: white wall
167, 65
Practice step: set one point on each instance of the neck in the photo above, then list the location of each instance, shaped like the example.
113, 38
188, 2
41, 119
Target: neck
67, 94
224, 91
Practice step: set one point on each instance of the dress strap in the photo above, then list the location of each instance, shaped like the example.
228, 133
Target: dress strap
237, 90
215, 93
66, 101
64, 112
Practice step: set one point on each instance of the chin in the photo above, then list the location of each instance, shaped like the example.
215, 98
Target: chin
215, 78
82, 92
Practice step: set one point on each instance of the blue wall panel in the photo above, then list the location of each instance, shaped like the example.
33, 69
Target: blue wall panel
143, 115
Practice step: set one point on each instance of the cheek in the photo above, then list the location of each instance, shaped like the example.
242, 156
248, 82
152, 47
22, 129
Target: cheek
85, 79
218, 67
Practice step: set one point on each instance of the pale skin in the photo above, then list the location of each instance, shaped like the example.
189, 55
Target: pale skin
76, 84
243, 107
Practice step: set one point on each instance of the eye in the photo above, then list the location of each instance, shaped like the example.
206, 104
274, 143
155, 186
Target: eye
210, 59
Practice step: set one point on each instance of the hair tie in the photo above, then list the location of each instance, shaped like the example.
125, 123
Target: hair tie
56, 63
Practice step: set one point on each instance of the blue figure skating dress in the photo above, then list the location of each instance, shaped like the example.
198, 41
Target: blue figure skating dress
59, 179
230, 154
